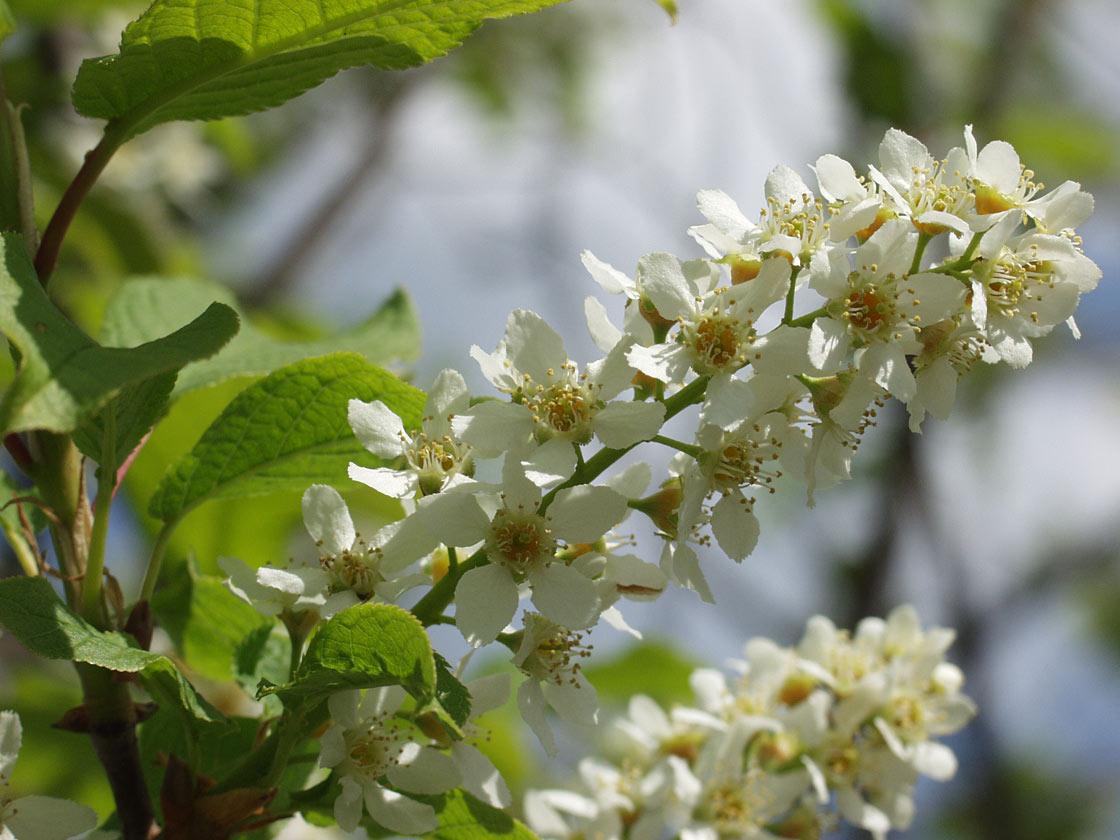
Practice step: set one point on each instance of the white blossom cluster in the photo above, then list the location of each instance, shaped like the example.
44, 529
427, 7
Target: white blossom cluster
839, 726
784, 341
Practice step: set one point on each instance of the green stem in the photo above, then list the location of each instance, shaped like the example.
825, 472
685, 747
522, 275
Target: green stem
429, 609
680, 446
807, 319
26, 557
452, 559
151, 575
972, 246
96, 161
788, 318
106, 483
923, 241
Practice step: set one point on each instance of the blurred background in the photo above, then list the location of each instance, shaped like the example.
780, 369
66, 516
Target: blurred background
475, 183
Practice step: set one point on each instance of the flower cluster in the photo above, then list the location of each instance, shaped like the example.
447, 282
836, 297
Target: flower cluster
843, 721
780, 346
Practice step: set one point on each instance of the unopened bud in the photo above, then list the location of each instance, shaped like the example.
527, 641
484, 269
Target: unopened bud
662, 506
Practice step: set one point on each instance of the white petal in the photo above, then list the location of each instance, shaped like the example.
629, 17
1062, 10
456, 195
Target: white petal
564, 596
577, 703
348, 805
997, 165
663, 280
786, 186
328, 519
332, 747
449, 395
605, 334
934, 760
861, 813
727, 401
632, 481
343, 706
480, 776
837, 179
685, 570
531, 703
583, 514
722, 211
488, 693
735, 527
664, 362
493, 427
622, 424
533, 346
399, 813
424, 770
454, 518
485, 601
11, 733
610, 278
396, 484
378, 428
49, 818
552, 462
615, 619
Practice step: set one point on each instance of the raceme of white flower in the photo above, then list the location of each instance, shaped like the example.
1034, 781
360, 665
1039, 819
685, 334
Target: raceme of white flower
841, 724
41, 817
781, 345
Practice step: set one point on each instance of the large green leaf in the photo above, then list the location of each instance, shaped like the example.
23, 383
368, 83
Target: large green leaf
284, 432
206, 622
35, 615
365, 646
65, 376
204, 59
133, 411
463, 817
148, 307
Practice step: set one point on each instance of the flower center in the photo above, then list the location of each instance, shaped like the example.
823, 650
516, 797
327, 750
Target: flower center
373, 749
715, 341
359, 571
435, 461
870, 310
520, 540
563, 410
557, 654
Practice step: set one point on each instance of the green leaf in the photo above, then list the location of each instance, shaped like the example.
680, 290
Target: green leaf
650, 667
451, 694
137, 408
34, 614
264, 654
147, 307
65, 376
284, 432
206, 622
364, 646
463, 817
205, 59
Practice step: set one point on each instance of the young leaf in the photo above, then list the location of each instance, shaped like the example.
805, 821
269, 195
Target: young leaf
364, 646
65, 376
464, 817
205, 59
35, 615
284, 432
148, 307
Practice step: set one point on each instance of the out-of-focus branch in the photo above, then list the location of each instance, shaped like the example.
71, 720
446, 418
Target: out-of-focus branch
277, 277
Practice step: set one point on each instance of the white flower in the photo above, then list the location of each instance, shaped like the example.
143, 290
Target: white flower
272, 591
1024, 285
434, 458
716, 334
34, 817
877, 308
550, 656
554, 404
934, 195
357, 570
366, 743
